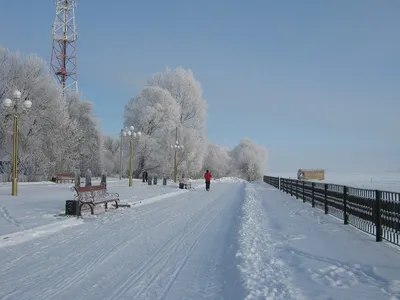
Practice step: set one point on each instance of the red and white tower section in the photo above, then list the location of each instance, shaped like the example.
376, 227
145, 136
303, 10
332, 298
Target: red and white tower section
63, 54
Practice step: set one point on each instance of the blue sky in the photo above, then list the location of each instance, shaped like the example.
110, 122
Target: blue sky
316, 82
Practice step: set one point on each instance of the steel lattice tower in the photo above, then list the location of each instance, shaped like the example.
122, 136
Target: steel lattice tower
63, 54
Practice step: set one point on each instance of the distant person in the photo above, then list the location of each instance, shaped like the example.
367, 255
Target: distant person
144, 176
207, 177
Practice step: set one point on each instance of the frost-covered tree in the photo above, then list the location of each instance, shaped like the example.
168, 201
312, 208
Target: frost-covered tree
41, 130
249, 160
111, 149
56, 130
218, 160
155, 113
90, 151
187, 92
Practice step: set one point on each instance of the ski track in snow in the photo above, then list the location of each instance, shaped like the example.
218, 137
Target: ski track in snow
129, 254
265, 276
9, 219
84, 260
165, 265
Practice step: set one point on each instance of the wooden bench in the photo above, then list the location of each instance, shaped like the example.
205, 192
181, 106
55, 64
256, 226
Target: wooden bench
185, 183
93, 195
64, 177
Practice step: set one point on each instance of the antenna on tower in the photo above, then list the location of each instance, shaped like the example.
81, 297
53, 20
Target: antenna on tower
63, 54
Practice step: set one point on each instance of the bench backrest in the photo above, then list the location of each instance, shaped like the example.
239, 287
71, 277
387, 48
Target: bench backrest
93, 188
64, 175
184, 180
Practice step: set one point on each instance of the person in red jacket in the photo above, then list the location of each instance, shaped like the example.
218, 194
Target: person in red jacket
207, 177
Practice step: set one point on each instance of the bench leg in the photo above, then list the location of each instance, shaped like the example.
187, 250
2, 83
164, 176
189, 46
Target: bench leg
116, 204
106, 205
80, 210
91, 209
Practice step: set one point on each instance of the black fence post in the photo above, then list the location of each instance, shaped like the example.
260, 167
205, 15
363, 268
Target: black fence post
304, 196
326, 199
313, 194
345, 215
378, 221
297, 189
291, 187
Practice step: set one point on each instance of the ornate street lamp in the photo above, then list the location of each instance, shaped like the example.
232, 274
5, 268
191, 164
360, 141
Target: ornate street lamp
131, 134
16, 109
176, 148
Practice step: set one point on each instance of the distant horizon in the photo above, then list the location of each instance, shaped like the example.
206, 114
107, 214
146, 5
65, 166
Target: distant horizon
338, 172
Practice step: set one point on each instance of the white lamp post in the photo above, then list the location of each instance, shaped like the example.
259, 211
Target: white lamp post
16, 110
176, 148
131, 134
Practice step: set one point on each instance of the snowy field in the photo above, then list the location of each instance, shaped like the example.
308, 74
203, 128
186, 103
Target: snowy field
40, 203
238, 241
381, 181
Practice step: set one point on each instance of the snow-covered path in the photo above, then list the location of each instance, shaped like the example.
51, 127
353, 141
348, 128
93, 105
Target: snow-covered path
296, 252
238, 241
179, 248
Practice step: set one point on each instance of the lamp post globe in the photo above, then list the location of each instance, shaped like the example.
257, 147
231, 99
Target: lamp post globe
7, 103
17, 94
27, 104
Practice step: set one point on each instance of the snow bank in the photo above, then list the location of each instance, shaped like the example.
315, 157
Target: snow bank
157, 198
8, 184
37, 232
229, 179
265, 276
163, 196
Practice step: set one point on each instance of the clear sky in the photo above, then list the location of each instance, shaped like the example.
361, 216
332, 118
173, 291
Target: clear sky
316, 82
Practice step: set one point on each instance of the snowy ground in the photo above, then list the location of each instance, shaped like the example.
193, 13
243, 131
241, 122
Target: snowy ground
293, 251
39, 204
238, 241
381, 181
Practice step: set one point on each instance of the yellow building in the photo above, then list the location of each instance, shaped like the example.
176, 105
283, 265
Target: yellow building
309, 174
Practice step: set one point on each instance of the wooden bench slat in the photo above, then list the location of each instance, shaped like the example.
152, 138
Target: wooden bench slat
92, 195
64, 176
84, 189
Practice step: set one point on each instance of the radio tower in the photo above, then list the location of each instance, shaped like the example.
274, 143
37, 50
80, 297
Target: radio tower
63, 54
